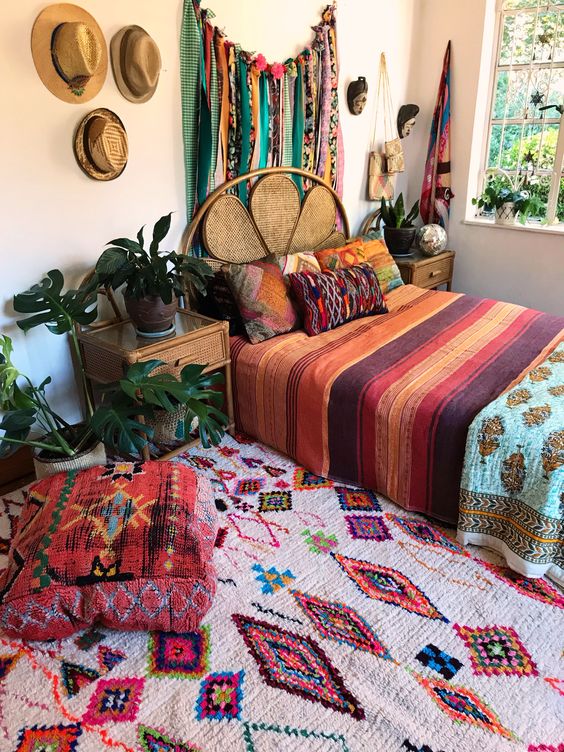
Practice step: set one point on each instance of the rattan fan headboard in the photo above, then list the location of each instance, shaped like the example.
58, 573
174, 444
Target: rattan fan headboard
277, 220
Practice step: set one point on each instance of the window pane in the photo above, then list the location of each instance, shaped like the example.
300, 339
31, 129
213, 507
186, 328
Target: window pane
510, 4
495, 143
538, 148
559, 43
510, 147
511, 90
538, 92
547, 27
540, 189
556, 92
560, 207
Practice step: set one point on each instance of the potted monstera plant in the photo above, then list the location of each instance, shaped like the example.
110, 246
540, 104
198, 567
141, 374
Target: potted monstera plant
29, 419
152, 280
399, 230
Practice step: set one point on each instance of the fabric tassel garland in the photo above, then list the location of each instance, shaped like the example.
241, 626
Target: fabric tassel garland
240, 113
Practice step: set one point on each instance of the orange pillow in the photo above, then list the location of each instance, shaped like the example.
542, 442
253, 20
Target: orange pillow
364, 250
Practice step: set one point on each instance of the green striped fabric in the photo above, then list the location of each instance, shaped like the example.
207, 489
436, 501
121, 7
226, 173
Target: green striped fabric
190, 55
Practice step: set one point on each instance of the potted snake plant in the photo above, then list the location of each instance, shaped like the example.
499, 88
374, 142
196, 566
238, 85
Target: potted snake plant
152, 280
399, 230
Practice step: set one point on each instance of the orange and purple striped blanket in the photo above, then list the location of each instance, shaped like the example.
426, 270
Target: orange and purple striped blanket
385, 402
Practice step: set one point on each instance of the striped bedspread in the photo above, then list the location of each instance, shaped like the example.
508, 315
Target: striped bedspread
385, 402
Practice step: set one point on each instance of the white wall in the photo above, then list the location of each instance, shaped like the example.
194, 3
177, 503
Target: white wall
522, 267
55, 216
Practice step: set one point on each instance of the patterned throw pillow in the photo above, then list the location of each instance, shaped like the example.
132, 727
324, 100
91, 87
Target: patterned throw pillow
262, 298
368, 249
298, 262
329, 299
128, 546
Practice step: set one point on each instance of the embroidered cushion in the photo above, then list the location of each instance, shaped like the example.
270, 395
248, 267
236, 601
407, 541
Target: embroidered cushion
367, 249
329, 299
262, 298
128, 546
298, 262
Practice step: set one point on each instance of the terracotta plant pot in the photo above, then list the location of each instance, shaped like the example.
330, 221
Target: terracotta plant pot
93, 455
399, 240
150, 315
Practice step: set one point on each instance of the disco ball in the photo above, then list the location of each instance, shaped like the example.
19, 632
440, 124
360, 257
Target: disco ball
431, 239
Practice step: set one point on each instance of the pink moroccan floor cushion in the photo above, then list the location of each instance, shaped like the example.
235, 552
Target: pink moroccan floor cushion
128, 546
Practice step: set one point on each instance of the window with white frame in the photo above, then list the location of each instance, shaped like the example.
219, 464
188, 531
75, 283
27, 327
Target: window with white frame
526, 125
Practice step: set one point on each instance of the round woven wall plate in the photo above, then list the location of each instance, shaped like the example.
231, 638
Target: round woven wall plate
82, 151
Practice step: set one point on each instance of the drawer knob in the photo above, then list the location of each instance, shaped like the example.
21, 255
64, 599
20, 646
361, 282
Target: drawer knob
435, 273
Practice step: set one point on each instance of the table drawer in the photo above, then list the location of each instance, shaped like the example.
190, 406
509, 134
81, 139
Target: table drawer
206, 350
430, 275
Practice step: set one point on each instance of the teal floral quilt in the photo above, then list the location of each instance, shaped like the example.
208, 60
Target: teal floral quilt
512, 489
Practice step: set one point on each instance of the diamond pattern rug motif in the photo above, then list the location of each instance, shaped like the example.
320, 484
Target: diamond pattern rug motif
341, 624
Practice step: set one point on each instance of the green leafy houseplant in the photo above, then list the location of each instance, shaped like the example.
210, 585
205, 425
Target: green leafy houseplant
507, 196
153, 279
399, 230
140, 393
116, 421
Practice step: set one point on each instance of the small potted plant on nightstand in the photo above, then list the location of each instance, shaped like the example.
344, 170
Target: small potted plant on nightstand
399, 230
153, 279
507, 197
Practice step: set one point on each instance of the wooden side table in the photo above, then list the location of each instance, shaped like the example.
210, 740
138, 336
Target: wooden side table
427, 271
109, 349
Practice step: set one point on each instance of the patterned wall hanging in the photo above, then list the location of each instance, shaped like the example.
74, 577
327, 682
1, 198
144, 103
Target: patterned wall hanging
240, 112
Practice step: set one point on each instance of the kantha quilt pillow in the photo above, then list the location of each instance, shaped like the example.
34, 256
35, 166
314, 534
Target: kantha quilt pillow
298, 262
128, 546
329, 299
262, 298
368, 249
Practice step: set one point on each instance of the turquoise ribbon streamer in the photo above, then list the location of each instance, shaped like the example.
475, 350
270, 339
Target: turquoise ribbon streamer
205, 152
246, 118
298, 128
264, 120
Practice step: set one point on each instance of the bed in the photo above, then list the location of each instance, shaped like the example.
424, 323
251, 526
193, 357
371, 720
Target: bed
385, 402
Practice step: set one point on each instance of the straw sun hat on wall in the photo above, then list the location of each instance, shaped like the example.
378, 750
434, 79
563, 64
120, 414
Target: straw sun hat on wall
136, 63
69, 52
100, 145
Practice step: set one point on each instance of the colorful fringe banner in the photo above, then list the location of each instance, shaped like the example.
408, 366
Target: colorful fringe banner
240, 113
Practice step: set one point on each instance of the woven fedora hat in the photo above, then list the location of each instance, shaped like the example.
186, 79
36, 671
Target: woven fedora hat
136, 63
100, 145
69, 52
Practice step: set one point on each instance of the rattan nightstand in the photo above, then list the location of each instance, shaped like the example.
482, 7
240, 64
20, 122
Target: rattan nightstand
109, 349
427, 271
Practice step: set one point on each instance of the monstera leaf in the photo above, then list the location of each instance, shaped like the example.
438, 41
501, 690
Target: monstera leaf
118, 426
16, 425
58, 310
144, 393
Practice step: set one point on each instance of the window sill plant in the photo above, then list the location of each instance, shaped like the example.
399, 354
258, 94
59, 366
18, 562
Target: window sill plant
116, 421
399, 230
153, 280
507, 197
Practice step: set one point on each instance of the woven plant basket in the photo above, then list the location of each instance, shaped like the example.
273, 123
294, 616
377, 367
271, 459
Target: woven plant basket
95, 455
168, 427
